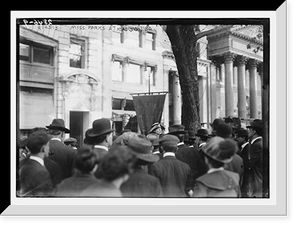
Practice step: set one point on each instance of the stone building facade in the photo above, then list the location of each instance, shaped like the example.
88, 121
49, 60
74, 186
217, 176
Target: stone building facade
84, 72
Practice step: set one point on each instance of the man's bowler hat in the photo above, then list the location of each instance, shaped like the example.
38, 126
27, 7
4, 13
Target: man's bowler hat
224, 130
100, 127
202, 133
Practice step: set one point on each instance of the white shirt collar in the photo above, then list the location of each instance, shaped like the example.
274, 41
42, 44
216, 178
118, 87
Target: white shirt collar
180, 143
243, 146
202, 144
169, 154
38, 159
255, 139
215, 169
57, 139
101, 147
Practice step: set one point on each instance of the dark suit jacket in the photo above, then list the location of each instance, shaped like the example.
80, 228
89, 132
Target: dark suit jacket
74, 185
100, 154
237, 166
52, 167
141, 184
34, 179
221, 183
194, 158
252, 183
64, 156
175, 176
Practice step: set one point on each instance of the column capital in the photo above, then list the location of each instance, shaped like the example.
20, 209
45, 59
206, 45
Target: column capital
229, 57
241, 60
252, 63
217, 60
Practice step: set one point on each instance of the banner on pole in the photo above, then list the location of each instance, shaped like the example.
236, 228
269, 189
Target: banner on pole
149, 109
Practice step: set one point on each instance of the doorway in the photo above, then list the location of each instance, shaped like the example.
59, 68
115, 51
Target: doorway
79, 121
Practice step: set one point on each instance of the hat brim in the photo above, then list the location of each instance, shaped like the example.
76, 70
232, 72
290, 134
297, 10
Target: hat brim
149, 157
91, 133
202, 135
58, 128
178, 132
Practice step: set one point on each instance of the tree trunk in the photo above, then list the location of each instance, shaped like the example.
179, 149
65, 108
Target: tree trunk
183, 41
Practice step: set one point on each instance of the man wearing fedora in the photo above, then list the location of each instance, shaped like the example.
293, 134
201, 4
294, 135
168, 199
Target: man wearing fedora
175, 176
252, 185
140, 183
186, 154
60, 153
218, 182
100, 136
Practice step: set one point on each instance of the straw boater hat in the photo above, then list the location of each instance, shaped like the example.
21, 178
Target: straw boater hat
58, 124
100, 127
220, 149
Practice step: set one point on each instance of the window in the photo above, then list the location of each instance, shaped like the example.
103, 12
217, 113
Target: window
133, 38
129, 105
36, 53
42, 55
118, 36
150, 41
76, 53
117, 70
134, 73
150, 73
24, 52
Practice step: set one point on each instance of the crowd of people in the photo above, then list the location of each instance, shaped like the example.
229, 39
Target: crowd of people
220, 162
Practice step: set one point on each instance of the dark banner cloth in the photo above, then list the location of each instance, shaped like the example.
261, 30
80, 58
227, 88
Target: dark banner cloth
149, 109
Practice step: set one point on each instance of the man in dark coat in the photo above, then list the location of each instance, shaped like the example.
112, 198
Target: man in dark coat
175, 176
252, 184
34, 177
140, 183
189, 155
52, 167
100, 137
60, 153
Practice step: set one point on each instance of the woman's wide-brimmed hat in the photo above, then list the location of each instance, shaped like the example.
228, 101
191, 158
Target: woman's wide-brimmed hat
100, 127
142, 148
58, 124
220, 149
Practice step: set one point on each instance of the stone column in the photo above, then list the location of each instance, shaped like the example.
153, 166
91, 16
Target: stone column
229, 99
253, 85
241, 64
213, 103
176, 99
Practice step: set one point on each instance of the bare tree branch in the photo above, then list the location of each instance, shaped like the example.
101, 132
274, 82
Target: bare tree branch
203, 34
